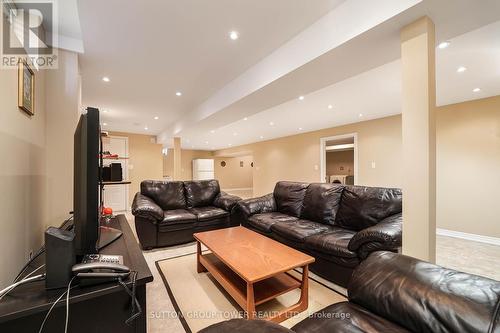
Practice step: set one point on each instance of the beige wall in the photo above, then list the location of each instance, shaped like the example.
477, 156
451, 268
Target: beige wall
37, 176
298, 157
340, 163
145, 160
233, 175
23, 175
468, 167
187, 157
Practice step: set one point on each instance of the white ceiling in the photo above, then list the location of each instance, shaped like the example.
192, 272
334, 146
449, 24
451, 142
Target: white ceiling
152, 49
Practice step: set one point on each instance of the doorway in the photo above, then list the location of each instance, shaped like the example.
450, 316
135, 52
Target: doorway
339, 159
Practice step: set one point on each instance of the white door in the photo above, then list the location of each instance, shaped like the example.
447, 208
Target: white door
116, 196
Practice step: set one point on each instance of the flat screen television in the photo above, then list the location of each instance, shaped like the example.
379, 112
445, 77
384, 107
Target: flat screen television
86, 183
88, 187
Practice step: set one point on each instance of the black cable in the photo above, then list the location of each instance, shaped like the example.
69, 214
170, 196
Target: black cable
135, 301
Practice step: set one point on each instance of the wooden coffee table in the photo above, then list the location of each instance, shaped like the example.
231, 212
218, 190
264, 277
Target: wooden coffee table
253, 268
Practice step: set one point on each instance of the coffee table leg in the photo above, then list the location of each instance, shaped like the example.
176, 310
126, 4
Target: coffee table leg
303, 302
250, 301
199, 267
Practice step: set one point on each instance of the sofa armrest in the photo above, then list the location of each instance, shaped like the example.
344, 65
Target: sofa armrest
387, 235
226, 201
264, 204
145, 207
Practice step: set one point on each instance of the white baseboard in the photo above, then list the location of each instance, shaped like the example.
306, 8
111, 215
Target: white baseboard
238, 189
467, 236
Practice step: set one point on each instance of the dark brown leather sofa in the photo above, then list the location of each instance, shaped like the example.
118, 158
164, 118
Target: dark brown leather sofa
338, 225
391, 292
169, 212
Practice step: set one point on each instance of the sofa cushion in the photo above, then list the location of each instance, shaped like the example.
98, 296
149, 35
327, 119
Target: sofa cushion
263, 222
289, 197
321, 202
200, 193
177, 216
167, 194
208, 213
362, 207
346, 317
298, 230
333, 242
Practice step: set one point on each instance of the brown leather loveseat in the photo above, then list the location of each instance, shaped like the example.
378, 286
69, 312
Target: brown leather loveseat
169, 212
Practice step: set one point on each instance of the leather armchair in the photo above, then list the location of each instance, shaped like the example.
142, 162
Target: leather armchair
390, 292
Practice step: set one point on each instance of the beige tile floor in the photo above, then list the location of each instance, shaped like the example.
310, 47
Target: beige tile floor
468, 256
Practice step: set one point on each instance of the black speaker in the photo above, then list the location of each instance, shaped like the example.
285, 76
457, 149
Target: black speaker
59, 257
106, 174
116, 172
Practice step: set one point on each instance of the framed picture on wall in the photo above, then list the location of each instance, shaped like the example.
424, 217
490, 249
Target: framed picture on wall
26, 88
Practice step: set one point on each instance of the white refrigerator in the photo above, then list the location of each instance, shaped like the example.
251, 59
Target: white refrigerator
203, 168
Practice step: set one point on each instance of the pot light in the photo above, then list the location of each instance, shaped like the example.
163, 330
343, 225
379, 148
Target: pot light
245, 118
146, 128
206, 142
105, 111
156, 118
104, 124
330, 106
106, 79
212, 131
271, 123
229, 144
476, 90
360, 115
300, 128
234, 35
461, 69
301, 98
235, 134
178, 93
444, 44
262, 137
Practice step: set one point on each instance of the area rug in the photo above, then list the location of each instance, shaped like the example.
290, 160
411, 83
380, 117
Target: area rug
199, 300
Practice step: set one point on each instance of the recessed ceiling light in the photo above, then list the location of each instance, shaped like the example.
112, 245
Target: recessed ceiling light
262, 137
146, 128
444, 45
476, 89
206, 142
330, 106
156, 118
234, 35
212, 131
104, 124
360, 115
301, 98
271, 123
235, 134
461, 69
178, 93
105, 111
300, 128
106, 79
229, 144
245, 118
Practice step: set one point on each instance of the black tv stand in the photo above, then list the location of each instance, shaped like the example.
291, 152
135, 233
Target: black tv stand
107, 235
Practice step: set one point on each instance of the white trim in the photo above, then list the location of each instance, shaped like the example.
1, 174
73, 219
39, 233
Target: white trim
322, 154
467, 236
238, 189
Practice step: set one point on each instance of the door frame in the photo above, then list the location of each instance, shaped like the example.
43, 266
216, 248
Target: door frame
322, 147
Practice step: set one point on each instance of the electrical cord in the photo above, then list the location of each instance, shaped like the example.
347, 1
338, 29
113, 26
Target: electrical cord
52, 307
135, 301
8, 289
67, 305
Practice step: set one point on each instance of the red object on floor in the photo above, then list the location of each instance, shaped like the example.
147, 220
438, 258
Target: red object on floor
107, 211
